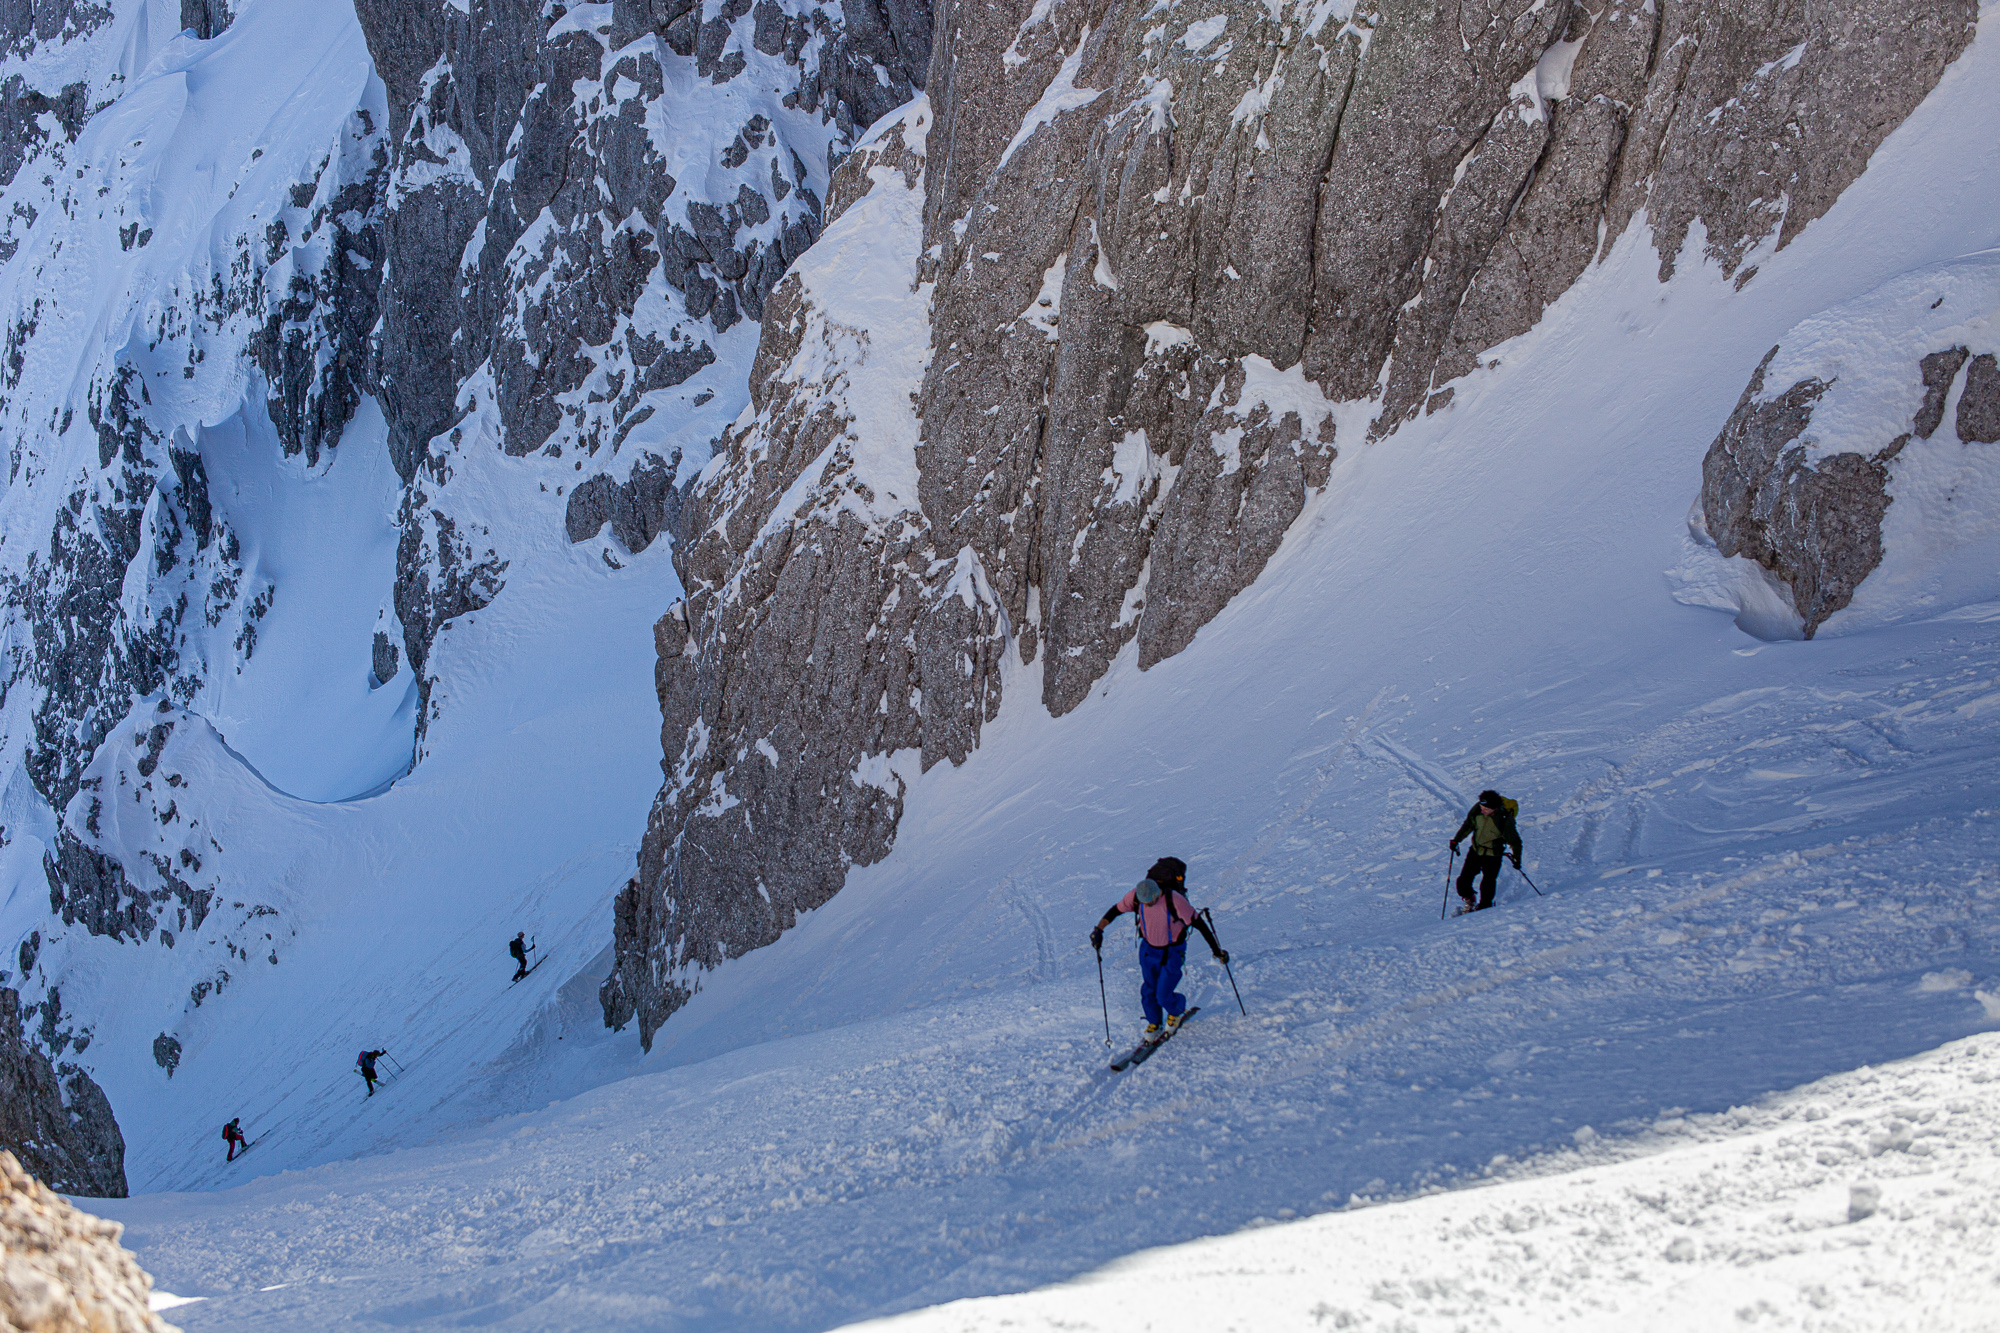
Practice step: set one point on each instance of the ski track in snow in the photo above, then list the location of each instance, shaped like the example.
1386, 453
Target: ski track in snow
1765, 864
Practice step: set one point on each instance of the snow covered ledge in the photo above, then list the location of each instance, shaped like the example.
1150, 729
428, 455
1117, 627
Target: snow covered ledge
1866, 1200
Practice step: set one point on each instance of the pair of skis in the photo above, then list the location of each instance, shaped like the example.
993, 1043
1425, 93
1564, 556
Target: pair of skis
529, 973
1144, 1050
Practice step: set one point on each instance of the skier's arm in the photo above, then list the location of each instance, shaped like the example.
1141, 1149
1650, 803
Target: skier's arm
1465, 828
1512, 838
1200, 923
1097, 931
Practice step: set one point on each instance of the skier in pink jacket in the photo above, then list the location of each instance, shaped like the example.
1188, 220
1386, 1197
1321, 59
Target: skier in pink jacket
1164, 917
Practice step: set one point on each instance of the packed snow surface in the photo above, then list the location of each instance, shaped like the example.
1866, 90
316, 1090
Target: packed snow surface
1759, 864
1866, 1201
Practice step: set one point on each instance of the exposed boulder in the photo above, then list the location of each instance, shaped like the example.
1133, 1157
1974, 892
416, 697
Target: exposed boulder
62, 1270
1817, 526
1853, 412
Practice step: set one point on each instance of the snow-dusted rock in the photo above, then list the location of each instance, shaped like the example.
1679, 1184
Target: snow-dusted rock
277, 283
63, 1271
55, 1117
1869, 424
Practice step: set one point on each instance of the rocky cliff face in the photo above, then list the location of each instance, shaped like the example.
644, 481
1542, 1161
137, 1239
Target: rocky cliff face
1166, 251
64, 1270
54, 1118
506, 229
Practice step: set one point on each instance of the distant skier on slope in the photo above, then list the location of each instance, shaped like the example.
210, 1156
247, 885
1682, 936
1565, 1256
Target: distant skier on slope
519, 946
1164, 917
366, 1060
232, 1134
1491, 825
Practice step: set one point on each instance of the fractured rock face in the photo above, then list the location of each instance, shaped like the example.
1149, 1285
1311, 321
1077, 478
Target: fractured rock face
1160, 244
62, 1270
1818, 527
804, 552
54, 1117
1806, 500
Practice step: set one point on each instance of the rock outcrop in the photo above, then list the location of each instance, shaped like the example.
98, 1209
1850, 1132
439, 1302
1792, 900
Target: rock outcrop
1878, 396
55, 1118
63, 1271
1160, 245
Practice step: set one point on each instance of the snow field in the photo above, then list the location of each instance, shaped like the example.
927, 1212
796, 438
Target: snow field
981, 1145
1765, 864
1866, 1201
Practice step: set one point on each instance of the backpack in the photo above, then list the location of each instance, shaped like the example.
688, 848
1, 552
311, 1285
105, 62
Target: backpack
1510, 807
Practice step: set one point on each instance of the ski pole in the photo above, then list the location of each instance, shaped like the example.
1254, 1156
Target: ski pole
394, 1061
1210, 917
1101, 998
1531, 884
1447, 883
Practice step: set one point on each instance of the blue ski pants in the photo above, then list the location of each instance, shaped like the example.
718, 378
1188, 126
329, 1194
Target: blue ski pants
1160, 973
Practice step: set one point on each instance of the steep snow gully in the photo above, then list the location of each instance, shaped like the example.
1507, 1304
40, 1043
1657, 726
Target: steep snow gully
1765, 863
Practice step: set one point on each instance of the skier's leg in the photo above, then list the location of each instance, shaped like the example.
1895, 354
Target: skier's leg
1149, 980
1170, 997
1488, 881
1465, 877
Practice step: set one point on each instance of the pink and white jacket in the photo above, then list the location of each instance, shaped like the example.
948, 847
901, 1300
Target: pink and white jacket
1166, 922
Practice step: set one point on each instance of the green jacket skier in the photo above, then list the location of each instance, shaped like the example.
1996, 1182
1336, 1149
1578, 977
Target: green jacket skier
1490, 824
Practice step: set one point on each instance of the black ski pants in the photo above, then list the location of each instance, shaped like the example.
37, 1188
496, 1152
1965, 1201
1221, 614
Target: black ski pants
1477, 866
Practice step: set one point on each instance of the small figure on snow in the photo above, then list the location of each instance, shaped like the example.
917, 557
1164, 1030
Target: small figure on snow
519, 946
1491, 824
1164, 917
366, 1060
232, 1134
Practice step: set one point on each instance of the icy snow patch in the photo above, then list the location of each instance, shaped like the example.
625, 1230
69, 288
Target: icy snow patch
1200, 35
1132, 466
1045, 311
1060, 96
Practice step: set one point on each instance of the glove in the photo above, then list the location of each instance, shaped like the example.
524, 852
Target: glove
1222, 957
1516, 859
1454, 849
1097, 937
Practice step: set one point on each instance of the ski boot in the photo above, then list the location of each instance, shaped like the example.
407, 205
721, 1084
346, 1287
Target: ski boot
1174, 1023
1154, 1032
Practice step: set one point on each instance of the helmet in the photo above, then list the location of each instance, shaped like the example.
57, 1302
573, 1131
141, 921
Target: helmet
1148, 892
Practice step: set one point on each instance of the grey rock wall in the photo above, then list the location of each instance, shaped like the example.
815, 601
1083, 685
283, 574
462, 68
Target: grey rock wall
1163, 240
491, 136
1810, 511
54, 1118
846, 617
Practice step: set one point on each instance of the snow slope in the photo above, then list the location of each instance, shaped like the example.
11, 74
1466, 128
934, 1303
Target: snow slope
1764, 863
1863, 1201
